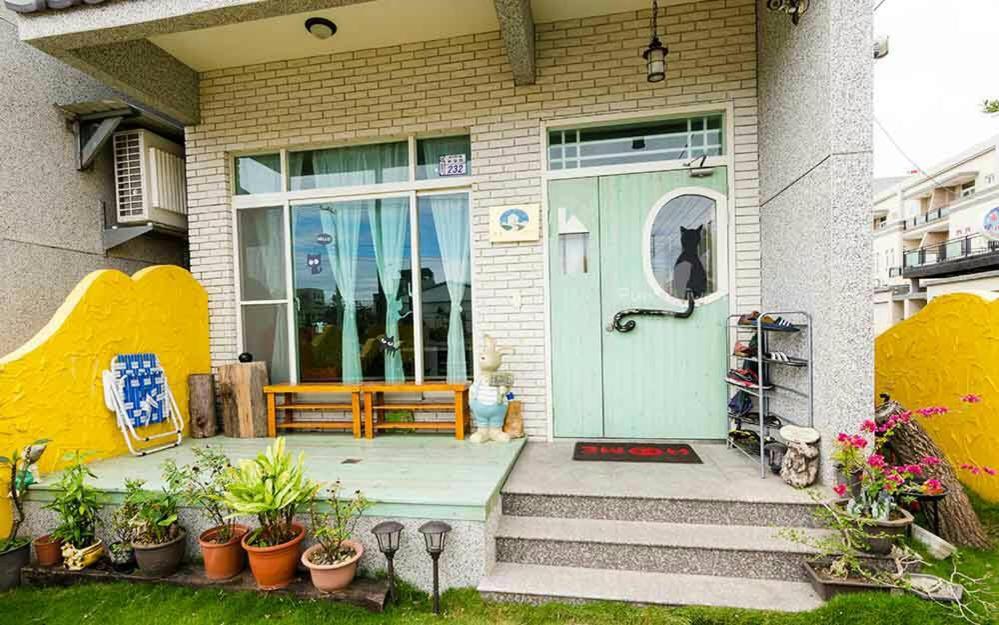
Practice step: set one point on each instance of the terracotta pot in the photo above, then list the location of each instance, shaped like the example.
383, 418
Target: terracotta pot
274, 567
223, 560
11, 563
163, 559
329, 577
48, 550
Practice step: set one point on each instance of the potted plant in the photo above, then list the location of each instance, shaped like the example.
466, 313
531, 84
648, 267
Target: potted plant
120, 551
77, 504
204, 484
15, 552
157, 538
271, 487
332, 561
874, 500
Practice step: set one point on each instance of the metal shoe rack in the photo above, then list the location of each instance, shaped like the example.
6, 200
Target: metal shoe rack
801, 328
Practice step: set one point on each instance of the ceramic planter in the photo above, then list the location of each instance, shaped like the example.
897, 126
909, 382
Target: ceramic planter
122, 557
163, 559
48, 550
881, 536
79, 559
274, 567
329, 577
11, 563
828, 587
223, 560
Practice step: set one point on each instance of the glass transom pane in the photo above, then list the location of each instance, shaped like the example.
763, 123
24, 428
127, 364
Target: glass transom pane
258, 174
378, 163
675, 139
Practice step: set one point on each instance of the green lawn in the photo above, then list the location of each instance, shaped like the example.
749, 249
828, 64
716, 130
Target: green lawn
124, 604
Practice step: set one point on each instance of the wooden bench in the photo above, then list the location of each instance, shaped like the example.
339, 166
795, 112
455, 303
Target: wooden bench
374, 403
290, 406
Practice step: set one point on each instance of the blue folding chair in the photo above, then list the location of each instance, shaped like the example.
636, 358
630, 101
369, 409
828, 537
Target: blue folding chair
136, 390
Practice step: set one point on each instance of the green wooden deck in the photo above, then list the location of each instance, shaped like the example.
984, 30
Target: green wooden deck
415, 475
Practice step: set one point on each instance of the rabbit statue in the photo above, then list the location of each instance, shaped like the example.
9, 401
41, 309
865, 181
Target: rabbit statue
489, 394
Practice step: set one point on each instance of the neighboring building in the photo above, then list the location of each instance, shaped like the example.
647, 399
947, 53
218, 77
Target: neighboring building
549, 105
52, 216
932, 234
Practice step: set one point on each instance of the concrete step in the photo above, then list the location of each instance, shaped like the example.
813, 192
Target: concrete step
540, 584
752, 552
699, 511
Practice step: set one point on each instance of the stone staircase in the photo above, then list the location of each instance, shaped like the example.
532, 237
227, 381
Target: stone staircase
683, 550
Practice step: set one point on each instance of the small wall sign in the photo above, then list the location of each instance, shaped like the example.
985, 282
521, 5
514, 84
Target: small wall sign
324, 238
452, 165
513, 224
990, 224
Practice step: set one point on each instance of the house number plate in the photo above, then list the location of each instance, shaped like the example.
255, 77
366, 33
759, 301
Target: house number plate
452, 165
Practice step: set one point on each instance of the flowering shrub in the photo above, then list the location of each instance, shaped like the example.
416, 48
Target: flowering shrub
879, 486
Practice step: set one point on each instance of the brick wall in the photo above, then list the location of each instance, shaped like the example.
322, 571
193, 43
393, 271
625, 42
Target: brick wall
585, 67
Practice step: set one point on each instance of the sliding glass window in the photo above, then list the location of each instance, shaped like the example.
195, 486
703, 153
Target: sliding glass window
339, 276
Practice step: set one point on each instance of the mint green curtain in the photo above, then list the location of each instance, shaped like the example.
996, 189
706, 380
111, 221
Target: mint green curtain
451, 224
389, 221
344, 221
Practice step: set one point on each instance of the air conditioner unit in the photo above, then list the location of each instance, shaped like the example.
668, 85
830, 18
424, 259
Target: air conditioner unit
150, 179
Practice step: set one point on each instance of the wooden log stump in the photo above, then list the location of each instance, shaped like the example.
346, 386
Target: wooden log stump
201, 394
909, 444
244, 408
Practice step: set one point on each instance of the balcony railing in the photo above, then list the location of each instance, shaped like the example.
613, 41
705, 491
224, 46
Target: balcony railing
926, 218
954, 249
894, 272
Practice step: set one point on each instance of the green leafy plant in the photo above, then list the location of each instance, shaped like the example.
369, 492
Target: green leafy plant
154, 521
204, 483
332, 528
271, 487
19, 479
77, 505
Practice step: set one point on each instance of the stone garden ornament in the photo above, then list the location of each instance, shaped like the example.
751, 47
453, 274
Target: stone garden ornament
800, 467
489, 394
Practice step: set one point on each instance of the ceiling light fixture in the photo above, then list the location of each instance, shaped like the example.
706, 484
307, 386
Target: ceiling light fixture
320, 27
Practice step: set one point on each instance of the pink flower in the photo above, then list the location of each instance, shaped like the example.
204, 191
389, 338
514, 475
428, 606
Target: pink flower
905, 417
858, 441
971, 398
840, 490
843, 437
913, 469
876, 461
989, 470
933, 410
930, 461
869, 426
932, 486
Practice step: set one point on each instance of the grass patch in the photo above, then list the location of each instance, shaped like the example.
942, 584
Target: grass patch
131, 604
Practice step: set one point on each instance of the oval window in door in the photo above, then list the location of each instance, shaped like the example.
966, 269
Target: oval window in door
682, 249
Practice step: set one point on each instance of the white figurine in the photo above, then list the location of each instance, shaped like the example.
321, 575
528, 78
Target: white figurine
488, 395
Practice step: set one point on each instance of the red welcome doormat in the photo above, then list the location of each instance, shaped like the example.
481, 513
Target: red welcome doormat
636, 452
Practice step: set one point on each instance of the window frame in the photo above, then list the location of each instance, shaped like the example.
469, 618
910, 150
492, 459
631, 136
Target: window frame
286, 200
721, 245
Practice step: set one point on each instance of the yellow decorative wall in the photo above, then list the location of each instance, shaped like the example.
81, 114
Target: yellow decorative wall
946, 351
51, 386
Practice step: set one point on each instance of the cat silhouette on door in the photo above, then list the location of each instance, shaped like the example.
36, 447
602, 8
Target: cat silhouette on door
688, 272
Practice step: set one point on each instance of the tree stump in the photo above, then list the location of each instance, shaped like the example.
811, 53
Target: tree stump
244, 408
908, 445
201, 402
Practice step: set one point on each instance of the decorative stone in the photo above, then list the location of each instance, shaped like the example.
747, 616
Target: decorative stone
800, 466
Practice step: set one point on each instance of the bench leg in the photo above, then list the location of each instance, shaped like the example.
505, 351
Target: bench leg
271, 416
369, 415
355, 410
460, 406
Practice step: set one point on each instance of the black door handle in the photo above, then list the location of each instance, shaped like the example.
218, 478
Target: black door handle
619, 324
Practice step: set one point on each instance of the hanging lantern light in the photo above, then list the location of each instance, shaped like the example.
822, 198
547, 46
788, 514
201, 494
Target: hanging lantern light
655, 54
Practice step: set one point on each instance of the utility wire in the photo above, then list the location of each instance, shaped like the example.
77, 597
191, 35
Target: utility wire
878, 5
903, 153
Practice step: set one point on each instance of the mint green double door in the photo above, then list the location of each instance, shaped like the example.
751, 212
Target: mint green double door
664, 379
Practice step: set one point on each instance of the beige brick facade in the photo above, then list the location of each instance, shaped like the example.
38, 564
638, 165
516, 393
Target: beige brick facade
586, 67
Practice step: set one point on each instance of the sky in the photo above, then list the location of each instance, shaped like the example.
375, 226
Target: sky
929, 89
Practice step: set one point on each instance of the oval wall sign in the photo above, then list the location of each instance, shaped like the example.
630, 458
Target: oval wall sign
324, 238
990, 225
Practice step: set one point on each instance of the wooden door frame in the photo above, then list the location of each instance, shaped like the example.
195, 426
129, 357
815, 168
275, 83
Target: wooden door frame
727, 160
